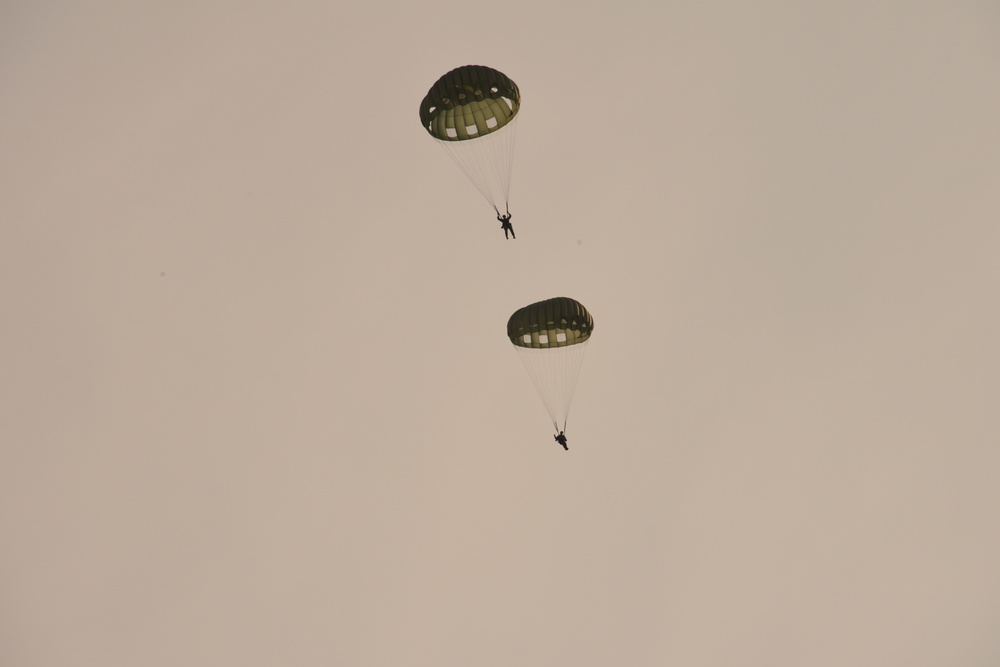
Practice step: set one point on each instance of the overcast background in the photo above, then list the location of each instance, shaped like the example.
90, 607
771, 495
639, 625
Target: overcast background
257, 403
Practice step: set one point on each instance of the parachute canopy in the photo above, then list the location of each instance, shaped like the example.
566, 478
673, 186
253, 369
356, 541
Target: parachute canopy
551, 323
469, 102
472, 111
551, 337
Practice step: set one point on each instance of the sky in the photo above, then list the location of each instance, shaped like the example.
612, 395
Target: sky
258, 407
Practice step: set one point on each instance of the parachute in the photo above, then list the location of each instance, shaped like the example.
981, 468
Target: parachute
551, 337
472, 112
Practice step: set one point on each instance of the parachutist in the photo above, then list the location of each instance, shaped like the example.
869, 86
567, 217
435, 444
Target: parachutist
551, 337
505, 224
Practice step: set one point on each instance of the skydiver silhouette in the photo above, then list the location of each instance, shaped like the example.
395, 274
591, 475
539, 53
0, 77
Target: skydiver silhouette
505, 223
561, 439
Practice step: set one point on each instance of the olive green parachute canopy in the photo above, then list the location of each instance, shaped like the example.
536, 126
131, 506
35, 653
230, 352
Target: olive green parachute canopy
558, 322
469, 102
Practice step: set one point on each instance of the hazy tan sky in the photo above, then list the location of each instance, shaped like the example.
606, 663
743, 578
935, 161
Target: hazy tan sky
257, 406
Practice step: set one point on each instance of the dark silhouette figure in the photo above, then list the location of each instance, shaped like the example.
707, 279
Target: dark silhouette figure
561, 439
505, 223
